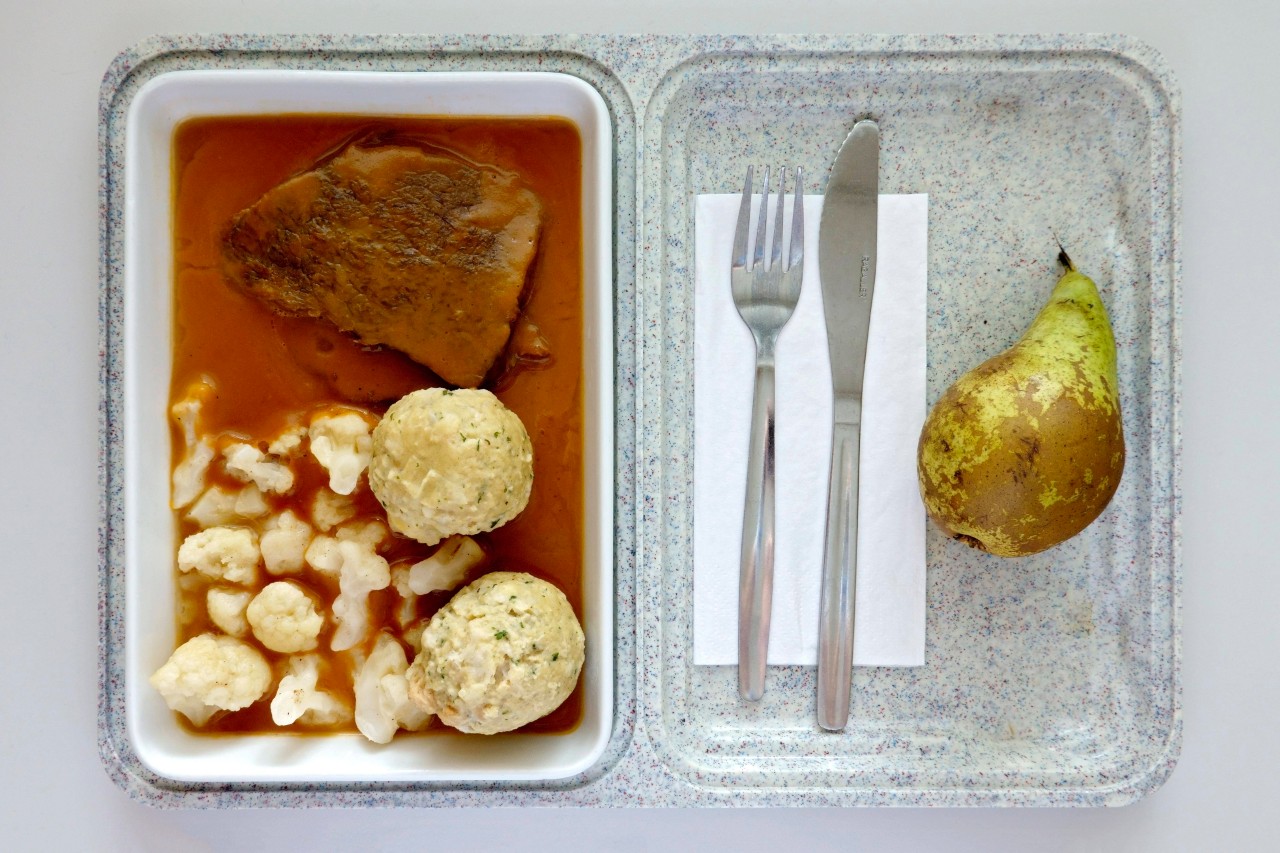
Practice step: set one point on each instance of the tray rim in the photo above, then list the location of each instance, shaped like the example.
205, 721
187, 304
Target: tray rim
630, 66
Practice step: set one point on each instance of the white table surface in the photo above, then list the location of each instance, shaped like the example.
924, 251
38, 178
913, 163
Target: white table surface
54, 794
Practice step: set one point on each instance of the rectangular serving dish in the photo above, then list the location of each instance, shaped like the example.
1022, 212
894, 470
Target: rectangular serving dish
1048, 681
161, 744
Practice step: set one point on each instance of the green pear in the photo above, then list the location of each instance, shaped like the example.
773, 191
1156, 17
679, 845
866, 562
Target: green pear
1026, 450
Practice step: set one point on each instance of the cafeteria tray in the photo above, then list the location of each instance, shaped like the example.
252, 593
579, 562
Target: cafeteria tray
1048, 680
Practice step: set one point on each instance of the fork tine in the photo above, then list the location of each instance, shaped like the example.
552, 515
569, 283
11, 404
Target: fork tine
744, 225
797, 223
775, 252
761, 232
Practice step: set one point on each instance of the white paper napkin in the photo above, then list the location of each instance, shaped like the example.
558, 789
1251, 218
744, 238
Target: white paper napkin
890, 616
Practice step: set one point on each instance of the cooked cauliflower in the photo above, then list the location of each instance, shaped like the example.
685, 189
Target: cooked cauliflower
329, 509
190, 588
288, 444
362, 572
284, 618
212, 673
382, 693
284, 543
220, 506
412, 634
250, 502
341, 443
408, 609
215, 507
443, 571
506, 650
221, 553
248, 464
447, 462
372, 533
323, 555
298, 700
226, 609
189, 474
446, 568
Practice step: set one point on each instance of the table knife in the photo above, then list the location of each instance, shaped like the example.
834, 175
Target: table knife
847, 266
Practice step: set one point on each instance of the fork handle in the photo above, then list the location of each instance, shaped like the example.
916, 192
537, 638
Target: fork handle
755, 585
839, 581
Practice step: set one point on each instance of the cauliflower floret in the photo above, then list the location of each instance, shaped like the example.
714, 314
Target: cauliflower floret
226, 609
446, 568
447, 462
382, 693
372, 533
442, 571
284, 618
288, 444
298, 699
250, 502
408, 609
362, 572
189, 474
219, 506
248, 464
189, 588
323, 555
221, 553
216, 506
341, 443
212, 673
284, 543
413, 635
329, 509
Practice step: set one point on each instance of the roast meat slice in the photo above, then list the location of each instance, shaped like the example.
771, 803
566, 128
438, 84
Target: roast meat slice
423, 252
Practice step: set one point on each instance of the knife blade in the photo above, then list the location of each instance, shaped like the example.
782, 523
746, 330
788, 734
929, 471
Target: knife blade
847, 267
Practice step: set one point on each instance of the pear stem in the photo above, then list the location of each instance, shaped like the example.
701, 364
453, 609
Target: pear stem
1063, 257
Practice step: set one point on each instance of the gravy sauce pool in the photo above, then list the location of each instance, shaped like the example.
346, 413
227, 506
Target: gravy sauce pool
266, 367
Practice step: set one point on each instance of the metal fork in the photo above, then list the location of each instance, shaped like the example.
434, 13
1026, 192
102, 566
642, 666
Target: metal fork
765, 295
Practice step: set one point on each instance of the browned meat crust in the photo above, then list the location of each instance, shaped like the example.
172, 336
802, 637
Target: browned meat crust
422, 252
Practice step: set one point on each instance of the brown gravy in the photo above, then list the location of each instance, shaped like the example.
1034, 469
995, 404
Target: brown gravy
267, 367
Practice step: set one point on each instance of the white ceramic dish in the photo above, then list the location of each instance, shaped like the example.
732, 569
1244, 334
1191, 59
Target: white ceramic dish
161, 743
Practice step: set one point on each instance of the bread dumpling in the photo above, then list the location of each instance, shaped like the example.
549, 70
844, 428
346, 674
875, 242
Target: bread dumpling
450, 462
506, 650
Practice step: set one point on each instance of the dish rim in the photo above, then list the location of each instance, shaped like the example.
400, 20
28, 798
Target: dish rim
158, 107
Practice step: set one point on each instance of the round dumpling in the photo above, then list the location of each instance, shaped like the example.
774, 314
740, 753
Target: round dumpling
505, 650
450, 462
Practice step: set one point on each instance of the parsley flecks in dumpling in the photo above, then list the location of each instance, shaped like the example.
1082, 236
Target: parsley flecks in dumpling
450, 462
505, 651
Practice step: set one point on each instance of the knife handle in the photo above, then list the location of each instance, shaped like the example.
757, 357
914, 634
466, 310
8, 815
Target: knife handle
755, 583
839, 579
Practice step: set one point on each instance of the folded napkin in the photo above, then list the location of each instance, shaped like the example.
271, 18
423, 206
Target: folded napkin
889, 622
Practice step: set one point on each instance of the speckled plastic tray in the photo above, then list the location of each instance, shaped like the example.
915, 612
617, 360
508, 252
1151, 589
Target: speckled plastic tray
1050, 680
